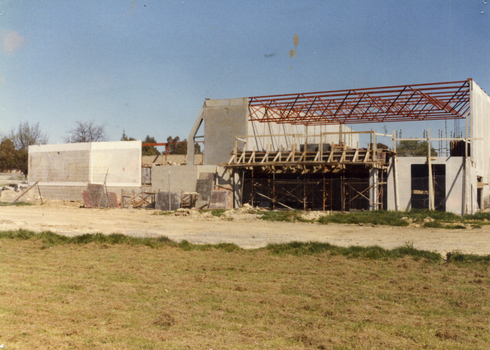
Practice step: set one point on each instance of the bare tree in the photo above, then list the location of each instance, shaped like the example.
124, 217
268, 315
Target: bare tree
87, 132
21, 138
27, 135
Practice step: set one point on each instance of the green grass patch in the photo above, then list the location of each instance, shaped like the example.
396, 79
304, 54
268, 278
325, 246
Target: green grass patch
19, 234
16, 204
214, 212
467, 258
133, 298
433, 224
227, 247
455, 227
282, 215
377, 217
421, 214
373, 252
160, 212
217, 212
50, 239
478, 216
425, 218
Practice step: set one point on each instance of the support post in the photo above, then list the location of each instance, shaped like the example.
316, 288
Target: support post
324, 192
241, 187
274, 190
234, 186
375, 147
169, 195
235, 150
192, 137
342, 192
465, 169
395, 173
373, 192
320, 148
252, 187
431, 181
304, 192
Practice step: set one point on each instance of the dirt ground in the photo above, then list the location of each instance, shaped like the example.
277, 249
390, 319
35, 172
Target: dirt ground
241, 228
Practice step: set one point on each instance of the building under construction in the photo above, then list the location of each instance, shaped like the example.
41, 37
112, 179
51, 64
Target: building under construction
299, 151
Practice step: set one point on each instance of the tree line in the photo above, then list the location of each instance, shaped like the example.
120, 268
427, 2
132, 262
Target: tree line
15, 145
175, 145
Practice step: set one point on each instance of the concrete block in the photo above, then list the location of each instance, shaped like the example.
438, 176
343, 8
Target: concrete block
97, 194
204, 185
162, 202
221, 200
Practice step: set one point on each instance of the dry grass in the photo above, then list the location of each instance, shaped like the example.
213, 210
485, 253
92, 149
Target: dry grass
104, 296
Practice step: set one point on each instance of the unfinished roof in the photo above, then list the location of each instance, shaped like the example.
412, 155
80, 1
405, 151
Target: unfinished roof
420, 102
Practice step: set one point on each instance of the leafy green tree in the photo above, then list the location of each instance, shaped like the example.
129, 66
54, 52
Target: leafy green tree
408, 148
197, 148
126, 138
149, 150
22, 159
145, 150
176, 146
8, 155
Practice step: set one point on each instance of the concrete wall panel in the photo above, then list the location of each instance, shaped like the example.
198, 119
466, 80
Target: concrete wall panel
121, 161
454, 182
480, 149
64, 170
180, 178
223, 120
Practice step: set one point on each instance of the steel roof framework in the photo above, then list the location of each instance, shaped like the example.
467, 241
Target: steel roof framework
420, 102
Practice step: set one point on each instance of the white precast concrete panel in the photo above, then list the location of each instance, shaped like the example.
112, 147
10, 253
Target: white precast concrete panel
59, 164
223, 120
64, 170
480, 128
120, 160
454, 182
480, 132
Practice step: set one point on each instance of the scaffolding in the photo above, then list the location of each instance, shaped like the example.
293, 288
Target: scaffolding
315, 176
310, 173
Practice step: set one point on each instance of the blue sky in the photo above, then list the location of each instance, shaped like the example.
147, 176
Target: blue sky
146, 66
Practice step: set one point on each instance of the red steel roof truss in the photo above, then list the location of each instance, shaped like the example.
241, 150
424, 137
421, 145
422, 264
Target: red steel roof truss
375, 105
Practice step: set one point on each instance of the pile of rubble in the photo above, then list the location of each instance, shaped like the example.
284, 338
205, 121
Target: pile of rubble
245, 213
12, 192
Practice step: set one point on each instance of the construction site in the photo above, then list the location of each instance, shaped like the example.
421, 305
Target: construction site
306, 151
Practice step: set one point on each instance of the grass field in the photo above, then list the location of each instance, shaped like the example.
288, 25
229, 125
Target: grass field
95, 294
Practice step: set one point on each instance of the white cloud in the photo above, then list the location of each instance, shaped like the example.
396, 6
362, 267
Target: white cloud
12, 41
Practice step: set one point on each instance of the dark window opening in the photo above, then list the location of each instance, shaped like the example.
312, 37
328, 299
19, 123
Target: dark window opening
420, 186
